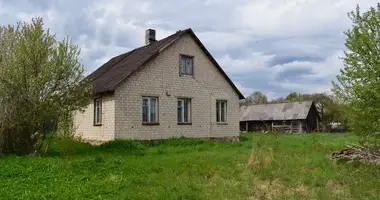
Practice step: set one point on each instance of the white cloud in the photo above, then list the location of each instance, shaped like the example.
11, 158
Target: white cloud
318, 80
305, 36
223, 41
256, 62
298, 17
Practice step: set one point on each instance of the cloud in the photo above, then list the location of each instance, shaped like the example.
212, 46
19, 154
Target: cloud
256, 62
298, 18
275, 46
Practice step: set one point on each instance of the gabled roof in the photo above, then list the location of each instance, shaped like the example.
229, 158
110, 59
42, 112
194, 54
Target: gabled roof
278, 111
108, 77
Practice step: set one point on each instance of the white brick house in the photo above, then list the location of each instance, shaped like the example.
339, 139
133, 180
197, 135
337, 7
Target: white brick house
168, 88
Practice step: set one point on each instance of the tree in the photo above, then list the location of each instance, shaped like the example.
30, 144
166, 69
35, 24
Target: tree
329, 107
358, 83
256, 97
41, 80
292, 97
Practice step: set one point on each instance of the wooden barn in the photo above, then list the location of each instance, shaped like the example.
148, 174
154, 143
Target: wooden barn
291, 117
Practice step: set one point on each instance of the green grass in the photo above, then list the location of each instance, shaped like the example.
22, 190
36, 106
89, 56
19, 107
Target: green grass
261, 166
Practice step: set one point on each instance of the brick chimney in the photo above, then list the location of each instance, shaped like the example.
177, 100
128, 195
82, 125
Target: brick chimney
150, 36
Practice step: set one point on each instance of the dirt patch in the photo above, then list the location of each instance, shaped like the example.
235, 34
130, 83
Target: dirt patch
362, 154
266, 190
340, 189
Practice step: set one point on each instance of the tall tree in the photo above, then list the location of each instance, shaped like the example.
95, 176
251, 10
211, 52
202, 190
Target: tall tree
293, 96
358, 83
41, 79
257, 97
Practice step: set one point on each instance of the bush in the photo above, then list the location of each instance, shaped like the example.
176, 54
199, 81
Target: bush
41, 78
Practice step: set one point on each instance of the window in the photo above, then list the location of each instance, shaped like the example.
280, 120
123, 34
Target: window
184, 111
150, 110
186, 65
221, 111
97, 111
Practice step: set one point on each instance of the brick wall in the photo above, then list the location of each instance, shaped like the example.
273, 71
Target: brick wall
83, 122
161, 78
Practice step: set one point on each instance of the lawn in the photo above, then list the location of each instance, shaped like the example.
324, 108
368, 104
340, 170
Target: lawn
261, 166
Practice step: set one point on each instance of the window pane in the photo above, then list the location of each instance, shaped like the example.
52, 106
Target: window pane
145, 113
183, 66
188, 66
179, 111
145, 102
153, 114
97, 114
189, 69
186, 111
222, 112
145, 110
217, 112
225, 111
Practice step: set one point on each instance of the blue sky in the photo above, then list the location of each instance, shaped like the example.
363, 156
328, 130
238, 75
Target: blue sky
275, 46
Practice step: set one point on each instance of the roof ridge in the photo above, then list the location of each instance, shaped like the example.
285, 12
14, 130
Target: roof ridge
267, 104
112, 73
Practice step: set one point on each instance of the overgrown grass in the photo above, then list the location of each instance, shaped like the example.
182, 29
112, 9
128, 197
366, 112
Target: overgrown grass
261, 166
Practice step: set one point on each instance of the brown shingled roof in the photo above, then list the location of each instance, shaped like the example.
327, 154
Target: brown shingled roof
108, 77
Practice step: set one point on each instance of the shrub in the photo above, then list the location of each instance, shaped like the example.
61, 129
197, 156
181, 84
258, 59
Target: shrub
41, 77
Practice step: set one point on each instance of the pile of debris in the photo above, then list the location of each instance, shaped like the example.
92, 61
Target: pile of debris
356, 152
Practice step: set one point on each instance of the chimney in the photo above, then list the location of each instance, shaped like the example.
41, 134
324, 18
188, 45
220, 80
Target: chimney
150, 36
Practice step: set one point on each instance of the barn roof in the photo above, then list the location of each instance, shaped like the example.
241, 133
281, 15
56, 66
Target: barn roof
278, 111
107, 77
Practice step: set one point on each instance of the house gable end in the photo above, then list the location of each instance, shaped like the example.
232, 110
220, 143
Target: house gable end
168, 44
215, 63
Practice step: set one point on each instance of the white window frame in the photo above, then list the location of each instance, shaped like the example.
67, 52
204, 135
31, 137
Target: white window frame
181, 65
219, 114
182, 107
149, 98
98, 111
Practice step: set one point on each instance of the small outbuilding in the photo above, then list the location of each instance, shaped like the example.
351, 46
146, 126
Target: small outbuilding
290, 117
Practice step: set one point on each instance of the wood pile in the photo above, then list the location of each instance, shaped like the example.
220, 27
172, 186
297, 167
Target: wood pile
360, 153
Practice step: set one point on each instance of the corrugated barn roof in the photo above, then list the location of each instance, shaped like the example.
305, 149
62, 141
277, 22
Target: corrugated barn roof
278, 111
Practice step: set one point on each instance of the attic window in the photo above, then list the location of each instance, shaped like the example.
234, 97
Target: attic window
186, 65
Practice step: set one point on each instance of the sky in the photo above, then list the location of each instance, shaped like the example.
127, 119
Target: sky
272, 46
